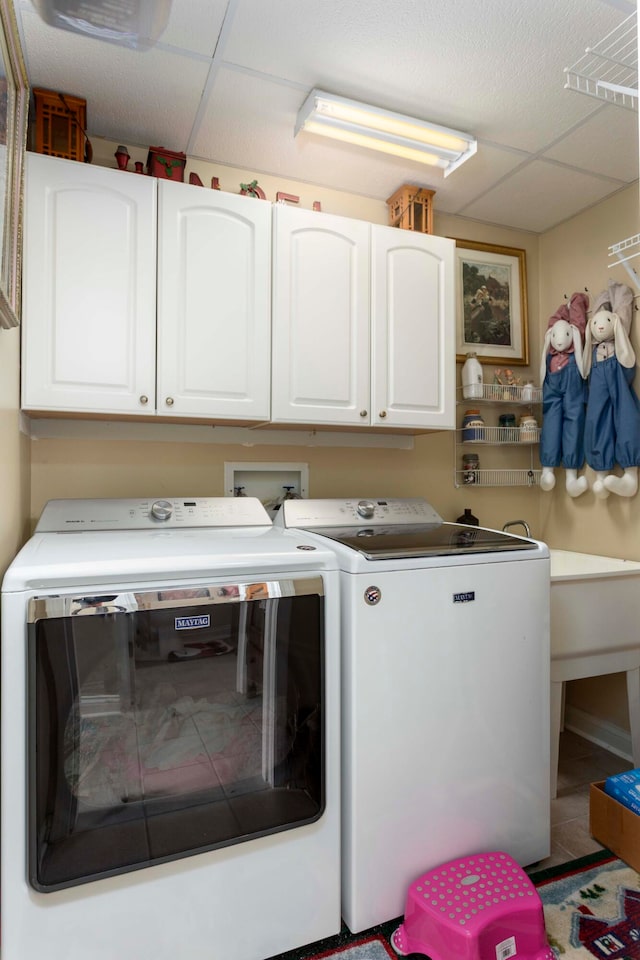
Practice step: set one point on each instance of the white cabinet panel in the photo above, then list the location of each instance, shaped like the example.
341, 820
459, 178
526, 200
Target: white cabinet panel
214, 303
320, 349
413, 323
363, 324
89, 289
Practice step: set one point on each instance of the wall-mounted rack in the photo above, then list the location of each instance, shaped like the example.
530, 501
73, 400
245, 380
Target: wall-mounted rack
608, 70
489, 436
625, 251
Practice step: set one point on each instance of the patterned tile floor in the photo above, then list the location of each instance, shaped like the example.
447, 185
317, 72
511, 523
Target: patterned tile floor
581, 763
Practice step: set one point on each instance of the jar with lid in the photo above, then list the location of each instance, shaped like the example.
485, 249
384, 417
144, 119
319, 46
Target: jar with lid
472, 427
527, 392
509, 431
472, 378
470, 468
528, 429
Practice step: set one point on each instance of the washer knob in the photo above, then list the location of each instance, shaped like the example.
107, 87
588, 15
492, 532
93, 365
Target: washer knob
366, 508
161, 510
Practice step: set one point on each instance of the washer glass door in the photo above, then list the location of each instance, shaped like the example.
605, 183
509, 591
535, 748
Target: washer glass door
169, 722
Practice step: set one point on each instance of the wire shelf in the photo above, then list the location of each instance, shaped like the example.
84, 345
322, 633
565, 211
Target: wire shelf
624, 251
497, 478
609, 70
503, 393
498, 436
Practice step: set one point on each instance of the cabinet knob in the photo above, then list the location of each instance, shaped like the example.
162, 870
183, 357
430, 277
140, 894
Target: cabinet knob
169, 401
144, 399
382, 414
363, 413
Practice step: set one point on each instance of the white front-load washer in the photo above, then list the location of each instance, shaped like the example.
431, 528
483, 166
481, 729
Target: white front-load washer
170, 734
445, 693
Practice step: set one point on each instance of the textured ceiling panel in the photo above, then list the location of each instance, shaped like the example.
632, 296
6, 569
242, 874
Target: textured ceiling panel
607, 143
538, 197
494, 70
148, 98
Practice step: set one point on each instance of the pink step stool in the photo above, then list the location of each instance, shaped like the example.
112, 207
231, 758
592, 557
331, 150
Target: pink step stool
481, 907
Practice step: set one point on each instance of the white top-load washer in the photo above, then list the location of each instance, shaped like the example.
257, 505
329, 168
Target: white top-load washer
170, 734
445, 693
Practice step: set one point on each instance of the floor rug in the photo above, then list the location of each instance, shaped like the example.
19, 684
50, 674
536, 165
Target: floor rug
361, 948
591, 909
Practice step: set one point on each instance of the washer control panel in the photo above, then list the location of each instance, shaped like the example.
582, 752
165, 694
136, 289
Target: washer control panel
308, 514
169, 512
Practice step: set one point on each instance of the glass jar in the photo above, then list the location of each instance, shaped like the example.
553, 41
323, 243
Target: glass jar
528, 429
470, 468
472, 427
527, 392
508, 428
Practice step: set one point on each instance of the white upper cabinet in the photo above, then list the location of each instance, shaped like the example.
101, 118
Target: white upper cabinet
413, 329
363, 324
214, 303
89, 289
320, 321
145, 297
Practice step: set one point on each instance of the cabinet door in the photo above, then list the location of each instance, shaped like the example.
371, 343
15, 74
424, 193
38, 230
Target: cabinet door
214, 303
320, 348
413, 329
89, 288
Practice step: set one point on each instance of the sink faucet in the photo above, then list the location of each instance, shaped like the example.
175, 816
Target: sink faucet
517, 523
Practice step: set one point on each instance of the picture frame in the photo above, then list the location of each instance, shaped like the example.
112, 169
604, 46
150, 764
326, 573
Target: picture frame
14, 108
491, 303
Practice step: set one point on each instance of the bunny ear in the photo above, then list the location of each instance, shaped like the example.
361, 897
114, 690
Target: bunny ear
545, 351
587, 353
622, 303
601, 302
577, 349
623, 348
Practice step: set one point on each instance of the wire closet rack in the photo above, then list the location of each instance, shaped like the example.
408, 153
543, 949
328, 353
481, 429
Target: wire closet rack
608, 70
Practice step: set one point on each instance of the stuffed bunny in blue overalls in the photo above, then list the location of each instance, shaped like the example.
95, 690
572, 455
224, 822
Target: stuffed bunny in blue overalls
612, 426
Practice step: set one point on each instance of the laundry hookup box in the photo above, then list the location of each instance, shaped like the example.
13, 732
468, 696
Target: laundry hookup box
613, 822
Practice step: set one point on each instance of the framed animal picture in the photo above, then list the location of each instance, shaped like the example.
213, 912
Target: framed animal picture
491, 310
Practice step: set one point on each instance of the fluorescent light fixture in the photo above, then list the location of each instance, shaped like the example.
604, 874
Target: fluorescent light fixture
384, 130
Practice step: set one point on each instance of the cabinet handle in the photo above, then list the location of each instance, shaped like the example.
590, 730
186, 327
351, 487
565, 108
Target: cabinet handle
363, 413
382, 414
144, 399
169, 401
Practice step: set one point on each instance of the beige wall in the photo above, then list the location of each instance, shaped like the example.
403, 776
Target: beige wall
14, 453
572, 257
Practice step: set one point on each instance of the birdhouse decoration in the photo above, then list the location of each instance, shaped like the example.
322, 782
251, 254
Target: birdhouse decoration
411, 208
60, 125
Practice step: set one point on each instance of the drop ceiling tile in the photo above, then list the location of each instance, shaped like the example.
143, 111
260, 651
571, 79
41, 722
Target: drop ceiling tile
607, 143
145, 98
497, 74
539, 196
475, 177
195, 25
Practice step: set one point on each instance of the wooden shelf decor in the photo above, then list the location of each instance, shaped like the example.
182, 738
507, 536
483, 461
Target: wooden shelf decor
61, 122
411, 208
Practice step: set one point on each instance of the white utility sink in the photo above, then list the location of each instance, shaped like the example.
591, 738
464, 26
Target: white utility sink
595, 630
